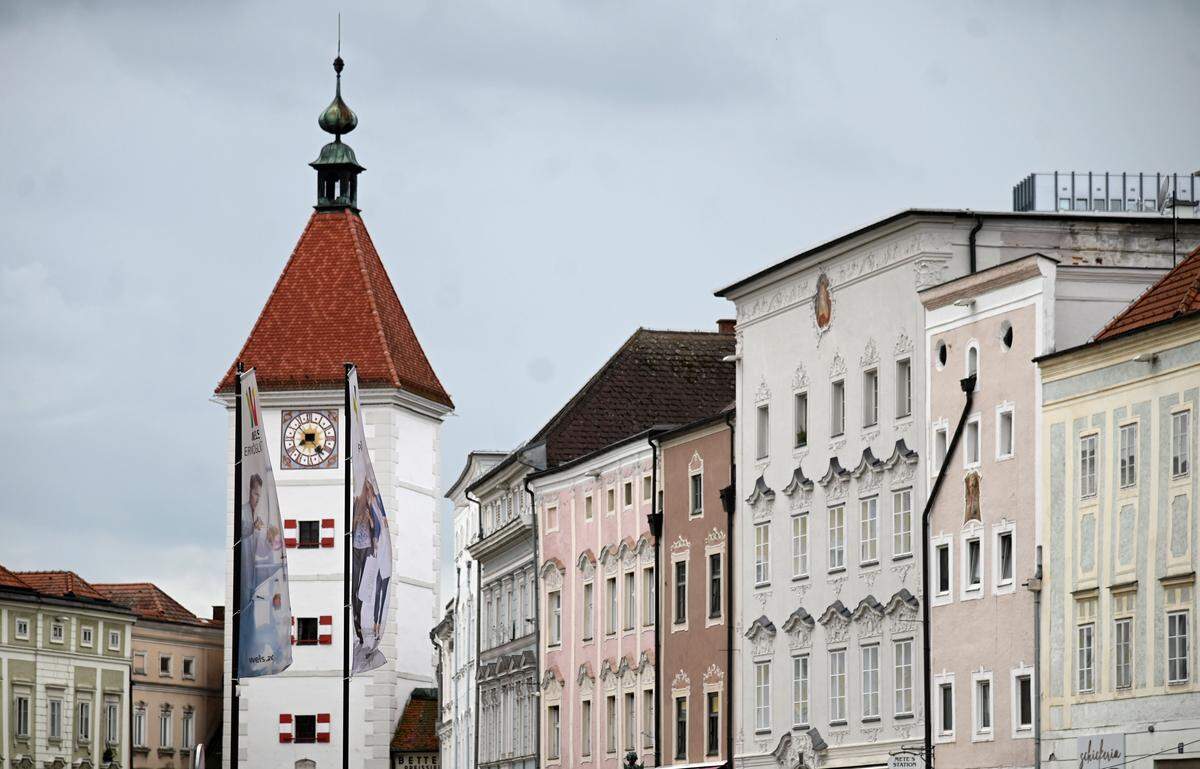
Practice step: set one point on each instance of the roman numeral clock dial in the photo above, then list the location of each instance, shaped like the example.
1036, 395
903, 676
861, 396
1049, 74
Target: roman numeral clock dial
310, 439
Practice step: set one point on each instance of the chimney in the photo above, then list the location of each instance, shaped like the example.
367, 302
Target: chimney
218, 613
725, 326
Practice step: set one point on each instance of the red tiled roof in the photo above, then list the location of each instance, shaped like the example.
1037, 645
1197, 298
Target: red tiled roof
334, 304
60, 584
148, 601
417, 730
11, 580
1176, 294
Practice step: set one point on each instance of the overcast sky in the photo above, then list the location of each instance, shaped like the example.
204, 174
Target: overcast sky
542, 179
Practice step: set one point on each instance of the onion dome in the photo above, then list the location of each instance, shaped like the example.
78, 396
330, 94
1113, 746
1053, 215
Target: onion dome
338, 118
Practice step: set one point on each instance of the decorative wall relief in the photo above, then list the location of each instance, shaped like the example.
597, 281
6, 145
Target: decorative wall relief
903, 347
800, 378
971, 511
870, 355
763, 393
837, 367
762, 637
799, 628
928, 272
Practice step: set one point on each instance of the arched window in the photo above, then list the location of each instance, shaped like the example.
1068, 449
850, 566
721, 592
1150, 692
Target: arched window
973, 362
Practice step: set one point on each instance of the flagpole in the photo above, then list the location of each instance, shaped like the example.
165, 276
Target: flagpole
346, 581
236, 603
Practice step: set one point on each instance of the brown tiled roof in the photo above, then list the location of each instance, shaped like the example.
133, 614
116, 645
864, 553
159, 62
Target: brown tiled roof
1176, 294
148, 601
655, 378
61, 584
10, 580
334, 304
417, 730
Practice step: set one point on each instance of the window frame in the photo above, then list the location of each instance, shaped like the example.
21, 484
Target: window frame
1088, 490
870, 400
902, 682
983, 707
762, 554
838, 700
1123, 660
762, 431
1088, 630
800, 419
902, 536
716, 582
869, 678
1173, 659
973, 444
1181, 443
696, 494
1127, 460
679, 586
837, 544
1002, 411
762, 696
837, 408
868, 531
903, 388
801, 690
800, 545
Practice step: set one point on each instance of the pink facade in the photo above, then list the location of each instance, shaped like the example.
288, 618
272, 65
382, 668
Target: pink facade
597, 610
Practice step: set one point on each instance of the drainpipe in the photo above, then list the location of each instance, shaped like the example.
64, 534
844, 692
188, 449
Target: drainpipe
968, 387
971, 243
478, 622
1035, 585
729, 502
537, 627
655, 521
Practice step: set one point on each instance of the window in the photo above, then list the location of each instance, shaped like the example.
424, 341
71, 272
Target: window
1177, 647
164, 729
630, 721
712, 737
650, 592
1006, 335
946, 692
611, 501
610, 625
837, 408
869, 530
1123, 640
680, 592
870, 397
112, 723
84, 719
306, 729
588, 508
188, 731
939, 449
57, 632
870, 681
974, 572
610, 717
904, 677
1024, 702
86, 636
972, 361
681, 728
943, 569
139, 663
1004, 547
630, 600
902, 522
1128, 455
589, 610
22, 715
762, 696
762, 554
307, 634
22, 629
764, 431
697, 494
114, 640
552, 518
648, 718
1087, 466
310, 533
1181, 443
586, 737
1085, 660
139, 727
983, 706
552, 734
714, 585
971, 445
164, 661
627, 494
837, 537
800, 416
800, 545
56, 720
554, 604
1004, 434
837, 686
943, 354
800, 690
903, 388
647, 491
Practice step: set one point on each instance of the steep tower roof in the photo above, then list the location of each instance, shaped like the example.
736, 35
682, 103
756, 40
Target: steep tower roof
1175, 294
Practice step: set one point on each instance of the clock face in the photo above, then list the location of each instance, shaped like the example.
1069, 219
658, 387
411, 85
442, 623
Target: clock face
309, 439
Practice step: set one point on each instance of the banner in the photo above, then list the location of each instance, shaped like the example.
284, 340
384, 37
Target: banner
264, 642
371, 548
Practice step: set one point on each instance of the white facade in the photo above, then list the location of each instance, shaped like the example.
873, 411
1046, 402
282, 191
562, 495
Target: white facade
402, 435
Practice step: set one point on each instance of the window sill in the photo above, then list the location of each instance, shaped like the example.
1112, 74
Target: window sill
141, 750
766, 730
902, 716
837, 570
801, 727
871, 719
902, 556
868, 564
799, 577
837, 723
758, 585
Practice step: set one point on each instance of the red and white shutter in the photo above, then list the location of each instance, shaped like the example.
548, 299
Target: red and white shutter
327, 532
322, 727
285, 727
291, 537
325, 635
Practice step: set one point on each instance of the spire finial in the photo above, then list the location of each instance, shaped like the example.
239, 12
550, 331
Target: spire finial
338, 118
337, 168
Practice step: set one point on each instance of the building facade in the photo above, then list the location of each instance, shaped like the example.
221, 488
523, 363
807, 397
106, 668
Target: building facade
833, 475
1120, 528
294, 718
695, 631
177, 677
64, 673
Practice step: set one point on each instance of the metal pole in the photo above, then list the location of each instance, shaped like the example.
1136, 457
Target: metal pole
346, 578
236, 601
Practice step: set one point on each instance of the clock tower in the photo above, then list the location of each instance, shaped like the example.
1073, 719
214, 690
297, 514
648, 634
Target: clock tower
334, 303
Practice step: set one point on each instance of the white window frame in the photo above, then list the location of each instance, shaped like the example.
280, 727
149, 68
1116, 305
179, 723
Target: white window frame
187, 730
1088, 481
762, 696
979, 732
1000, 584
627, 494
610, 723
22, 715
585, 737
58, 632
902, 520
837, 687
1085, 676
973, 347
1002, 410
114, 640
629, 597
183, 670
87, 636
941, 446
612, 611
711, 617
902, 671
588, 609
54, 709
762, 554
1187, 643
870, 400
1125, 621
801, 689
974, 421
837, 408
553, 732
869, 675
552, 517
696, 497
649, 596
763, 431
1181, 443
18, 632
799, 418
589, 507
1019, 730
837, 538
972, 591
903, 388
1128, 462
868, 531
112, 722
83, 721
942, 596
139, 727
554, 617
800, 545
679, 620
677, 700
940, 733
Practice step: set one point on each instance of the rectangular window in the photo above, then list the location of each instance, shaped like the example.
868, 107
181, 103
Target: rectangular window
189, 667
762, 696
800, 417
1004, 436
764, 431
947, 698
870, 681
610, 619
188, 731
86, 636
22, 715
648, 719
627, 494
552, 518
870, 397
57, 632
1085, 659
611, 500
139, 728
800, 690
305, 729
869, 530
939, 450
22, 630
712, 737
902, 522
307, 634
1024, 702
837, 537
1004, 546
588, 508
610, 723
164, 661
800, 545
943, 569
762, 554
697, 494
552, 732
1181, 428
837, 408
971, 443
310, 534
84, 727
714, 585
1123, 641
650, 592
681, 728
837, 686
983, 706
904, 676
1087, 466
1178, 647
112, 724
554, 602
903, 388
1128, 455
589, 610
630, 721
586, 737
680, 592
56, 720
974, 573
647, 488
630, 600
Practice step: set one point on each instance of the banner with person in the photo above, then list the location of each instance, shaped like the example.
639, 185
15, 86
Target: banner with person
265, 619
371, 547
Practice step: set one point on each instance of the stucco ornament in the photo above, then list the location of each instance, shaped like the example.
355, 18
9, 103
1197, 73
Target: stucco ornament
836, 621
904, 345
837, 367
762, 637
928, 272
761, 499
714, 675
715, 537
971, 511
763, 597
552, 575
799, 628
680, 544
870, 355
799, 378
795, 751
871, 734
763, 393
869, 617
681, 682
799, 489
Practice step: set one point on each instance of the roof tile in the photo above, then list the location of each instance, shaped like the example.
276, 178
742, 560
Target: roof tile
1175, 294
148, 601
417, 730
